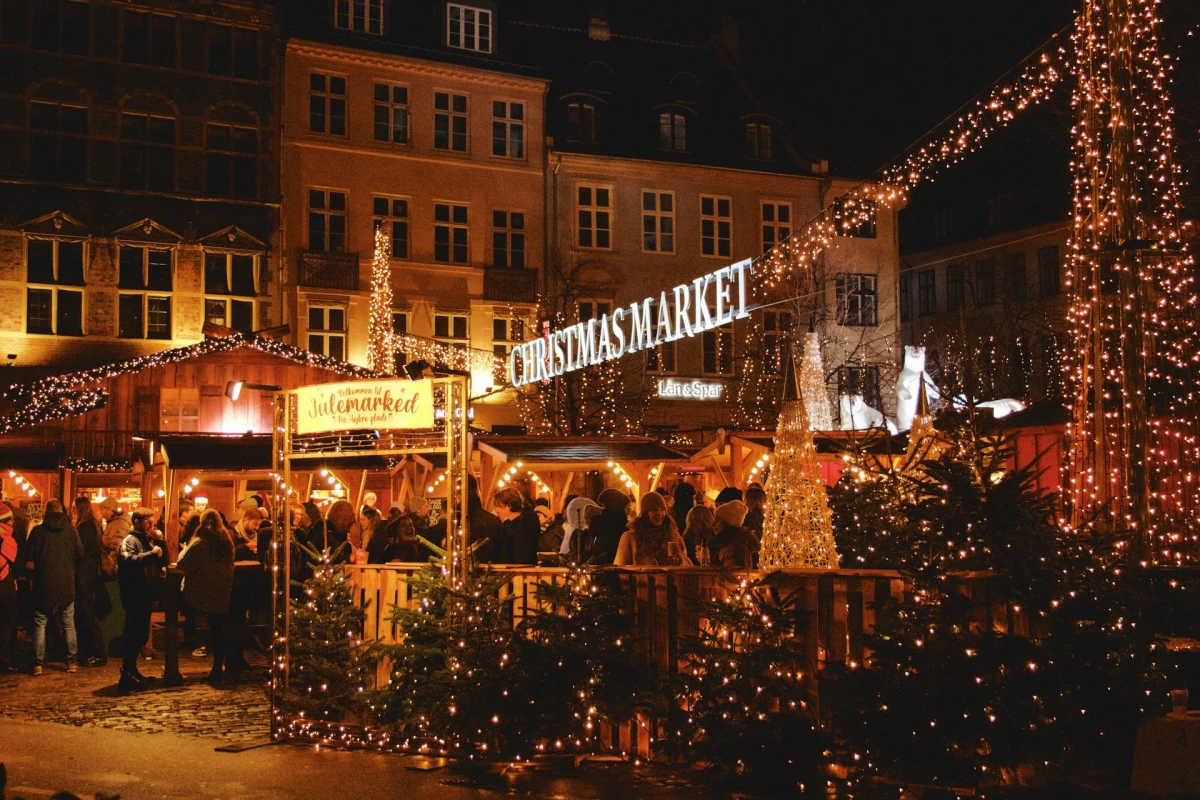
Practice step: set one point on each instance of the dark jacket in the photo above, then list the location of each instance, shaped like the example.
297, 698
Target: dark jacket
54, 549
378, 544
135, 560
733, 548
486, 527
88, 569
521, 538
604, 535
207, 581
401, 551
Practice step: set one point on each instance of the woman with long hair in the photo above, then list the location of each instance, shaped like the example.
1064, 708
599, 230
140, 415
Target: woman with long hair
700, 524
652, 538
370, 522
90, 526
207, 566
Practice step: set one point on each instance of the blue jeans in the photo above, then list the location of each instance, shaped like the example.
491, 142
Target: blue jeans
66, 617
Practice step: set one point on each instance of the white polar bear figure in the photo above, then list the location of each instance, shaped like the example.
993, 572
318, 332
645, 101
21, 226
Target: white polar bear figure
1000, 408
908, 385
858, 416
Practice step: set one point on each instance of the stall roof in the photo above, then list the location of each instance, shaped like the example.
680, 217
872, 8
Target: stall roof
577, 451
30, 459
216, 451
827, 442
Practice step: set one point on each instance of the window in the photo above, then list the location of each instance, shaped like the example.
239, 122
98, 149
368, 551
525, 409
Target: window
658, 222
232, 161
661, 359
508, 239
179, 409
905, 298
450, 122
716, 226
392, 213
469, 28
508, 129
1014, 273
147, 152
776, 224
228, 276
926, 292
861, 380
857, 300
718, 351
594, 214
50, 309
985, 282
145, 314
595, 309
581, 122
672, 132
327, 331
777, 341
364, 16
506, 331
58, 144
758, 140
855, 219
327, 104
391, 113
956, 287
453, 329
232, 52
60, 25
148, 39
943, 222
326, 221
450, 233
1049, 277
1000, 210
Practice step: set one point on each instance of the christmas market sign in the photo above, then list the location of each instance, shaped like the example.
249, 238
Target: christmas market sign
690, 390
689, 309
392, 404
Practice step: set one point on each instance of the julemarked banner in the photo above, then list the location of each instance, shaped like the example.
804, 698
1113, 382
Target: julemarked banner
390, 404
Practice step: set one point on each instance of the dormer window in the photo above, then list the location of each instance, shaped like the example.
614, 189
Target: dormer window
468, 28
581, 122
363, 16
672, 132
758, 140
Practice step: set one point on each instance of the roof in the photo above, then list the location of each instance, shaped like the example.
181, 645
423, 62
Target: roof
30, 459
578, 451
216, 451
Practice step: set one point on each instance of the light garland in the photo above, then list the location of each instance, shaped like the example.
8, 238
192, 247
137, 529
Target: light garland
23, 482
380, 336
463, 359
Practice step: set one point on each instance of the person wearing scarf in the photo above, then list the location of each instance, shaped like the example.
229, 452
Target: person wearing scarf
653, 538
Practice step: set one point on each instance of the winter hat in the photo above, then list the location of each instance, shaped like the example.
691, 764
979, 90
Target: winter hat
732, 513
544, 514
653, 501
576, 511
110, 504
249, 504
5, 511
613, 500
729, 494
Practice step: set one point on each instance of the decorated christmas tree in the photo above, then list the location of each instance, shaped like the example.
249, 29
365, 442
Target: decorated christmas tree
380, 336
798, 527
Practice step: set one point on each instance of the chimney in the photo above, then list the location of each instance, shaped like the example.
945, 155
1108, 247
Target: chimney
598, 24
731, 36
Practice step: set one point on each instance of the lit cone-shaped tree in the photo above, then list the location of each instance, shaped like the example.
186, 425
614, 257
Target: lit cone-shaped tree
798, 528
812, 383
922, 438
380, 338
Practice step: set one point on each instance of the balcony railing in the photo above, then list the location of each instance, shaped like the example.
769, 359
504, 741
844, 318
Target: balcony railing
510, 285
320, 270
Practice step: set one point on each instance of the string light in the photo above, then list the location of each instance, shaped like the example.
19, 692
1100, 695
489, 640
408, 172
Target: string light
380, 333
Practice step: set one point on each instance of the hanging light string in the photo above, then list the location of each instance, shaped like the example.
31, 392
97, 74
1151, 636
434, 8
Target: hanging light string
380, 333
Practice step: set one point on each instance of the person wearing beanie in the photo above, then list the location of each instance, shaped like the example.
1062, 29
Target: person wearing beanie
604, 534
685, 498
652, 539
116, 527
732, 546
54, 553
728, 494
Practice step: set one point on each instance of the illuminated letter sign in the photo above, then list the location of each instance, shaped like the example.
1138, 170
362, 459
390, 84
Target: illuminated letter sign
690, 390
641, 326
393, 404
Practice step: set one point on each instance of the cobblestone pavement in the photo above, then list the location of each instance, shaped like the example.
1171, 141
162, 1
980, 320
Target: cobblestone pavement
236, 713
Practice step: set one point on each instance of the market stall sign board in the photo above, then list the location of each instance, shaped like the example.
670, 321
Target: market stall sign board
392, 404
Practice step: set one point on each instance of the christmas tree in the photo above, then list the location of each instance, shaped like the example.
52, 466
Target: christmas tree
331, 666
380, 335
812, 383
797, 529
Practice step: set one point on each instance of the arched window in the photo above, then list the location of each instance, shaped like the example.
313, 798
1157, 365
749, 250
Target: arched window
685, 88
672, 131
148, 145
231, 153
58, 134
598, 77
581, 121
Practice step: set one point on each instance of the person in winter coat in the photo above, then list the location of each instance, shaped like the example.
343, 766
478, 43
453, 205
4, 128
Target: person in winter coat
550, 538
685, 498
8, 589
756, 503
92, 650
604, 534
652, 539
574, 526
338, 522
520, 539
732, 546
374, 537
116, 528
402, 541
140, 552
207, 566
699, 530
482, 525
54, 552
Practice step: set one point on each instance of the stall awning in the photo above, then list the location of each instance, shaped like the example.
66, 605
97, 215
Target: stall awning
576, 452
29, 459
216, 452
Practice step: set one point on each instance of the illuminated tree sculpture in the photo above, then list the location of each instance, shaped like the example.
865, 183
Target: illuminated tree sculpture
812, 383
380, 337
798, 527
